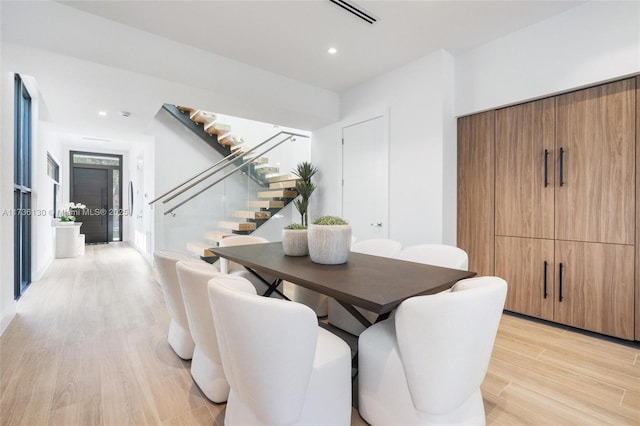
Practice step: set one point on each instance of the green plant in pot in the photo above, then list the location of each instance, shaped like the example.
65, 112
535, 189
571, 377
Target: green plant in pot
294, 236
329, 239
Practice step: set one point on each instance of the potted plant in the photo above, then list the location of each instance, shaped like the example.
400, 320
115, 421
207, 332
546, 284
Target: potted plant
294, 236
329, 240
294, 240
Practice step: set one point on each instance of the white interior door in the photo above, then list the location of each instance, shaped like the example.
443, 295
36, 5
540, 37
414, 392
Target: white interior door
365, 178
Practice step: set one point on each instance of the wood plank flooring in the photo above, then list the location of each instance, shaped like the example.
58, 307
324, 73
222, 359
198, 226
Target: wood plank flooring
88, 347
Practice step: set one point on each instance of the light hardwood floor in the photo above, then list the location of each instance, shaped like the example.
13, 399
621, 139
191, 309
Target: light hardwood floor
88, 347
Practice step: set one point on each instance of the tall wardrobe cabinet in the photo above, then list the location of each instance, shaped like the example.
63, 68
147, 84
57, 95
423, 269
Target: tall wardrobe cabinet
564, 206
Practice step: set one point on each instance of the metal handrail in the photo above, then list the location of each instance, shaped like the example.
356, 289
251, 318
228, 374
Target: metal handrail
228, 157
209, 172
291, 135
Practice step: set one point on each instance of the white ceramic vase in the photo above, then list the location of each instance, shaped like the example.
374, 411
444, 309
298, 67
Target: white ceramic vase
294, 242
329, 244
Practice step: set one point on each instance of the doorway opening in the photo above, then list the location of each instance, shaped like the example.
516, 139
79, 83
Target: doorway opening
96, 182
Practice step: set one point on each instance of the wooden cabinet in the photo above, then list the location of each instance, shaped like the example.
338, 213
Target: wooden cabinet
595, 287
595, 145
476, 190
527, 264
565, 207
524, 170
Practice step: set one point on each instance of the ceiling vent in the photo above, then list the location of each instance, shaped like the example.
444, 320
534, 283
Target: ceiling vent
356, 10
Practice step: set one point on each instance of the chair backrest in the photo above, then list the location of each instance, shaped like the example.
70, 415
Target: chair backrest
445, 341
436, 254
377, 247
165, 262
267, 345
228, 267
194, 277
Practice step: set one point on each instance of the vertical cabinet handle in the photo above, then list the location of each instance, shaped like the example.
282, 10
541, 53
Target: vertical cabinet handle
546, 265
546, 169
561, 166
560, 282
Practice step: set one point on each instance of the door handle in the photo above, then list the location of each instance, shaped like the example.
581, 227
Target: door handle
377, 225
546, 168
561, 166
546, 265
560, 284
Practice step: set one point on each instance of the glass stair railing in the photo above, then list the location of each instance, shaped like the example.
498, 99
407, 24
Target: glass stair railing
236, 195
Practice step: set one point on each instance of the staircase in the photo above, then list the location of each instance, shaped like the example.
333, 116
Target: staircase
276, 189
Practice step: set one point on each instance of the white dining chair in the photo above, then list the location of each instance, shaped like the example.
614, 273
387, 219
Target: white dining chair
206, 365
228, 267
436, 254
283, 369
338, 316
179, 336
426, 365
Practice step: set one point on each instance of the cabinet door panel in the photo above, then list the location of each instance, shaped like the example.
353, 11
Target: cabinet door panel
524, 205
521, 262
475, 190
637, 209
597, 287
596, 129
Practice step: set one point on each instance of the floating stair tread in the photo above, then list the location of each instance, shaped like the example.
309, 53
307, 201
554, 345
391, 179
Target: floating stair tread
266, 204
265, 169
258, 215
201, 249
237, 226
278, 193
216, 128
216, 236
286, 184
229, 139
256, 160
277, 177
185, 109
202, 117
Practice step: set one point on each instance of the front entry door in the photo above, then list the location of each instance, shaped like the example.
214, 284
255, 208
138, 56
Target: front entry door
90, 187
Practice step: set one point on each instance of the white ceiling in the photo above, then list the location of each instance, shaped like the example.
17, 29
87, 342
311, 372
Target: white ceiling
291, 38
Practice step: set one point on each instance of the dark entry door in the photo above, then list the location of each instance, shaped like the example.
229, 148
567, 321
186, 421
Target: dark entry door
91, 188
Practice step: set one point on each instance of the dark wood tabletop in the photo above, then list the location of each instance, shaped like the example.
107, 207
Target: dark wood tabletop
378, 284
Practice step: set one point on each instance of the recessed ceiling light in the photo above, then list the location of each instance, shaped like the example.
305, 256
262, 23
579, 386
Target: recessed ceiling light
332, 51
102, 113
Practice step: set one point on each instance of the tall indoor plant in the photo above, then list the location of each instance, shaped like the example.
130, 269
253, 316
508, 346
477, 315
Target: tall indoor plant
294, 236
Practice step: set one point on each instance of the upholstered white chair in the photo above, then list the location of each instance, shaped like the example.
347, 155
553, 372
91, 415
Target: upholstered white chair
228, 267
436, 254
316, 301
179, 336
206, 365
426, 365
283, 369
339, 316
377, 247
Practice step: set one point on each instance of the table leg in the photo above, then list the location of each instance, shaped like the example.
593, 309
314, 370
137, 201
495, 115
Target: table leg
273, 287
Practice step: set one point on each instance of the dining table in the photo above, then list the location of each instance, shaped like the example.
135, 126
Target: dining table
377, 284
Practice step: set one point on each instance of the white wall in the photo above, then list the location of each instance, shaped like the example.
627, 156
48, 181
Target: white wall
595, 42
7, 306
44, 232
421, 144
175, 72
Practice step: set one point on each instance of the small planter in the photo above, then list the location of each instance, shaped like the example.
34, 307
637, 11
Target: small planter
294, 242
329, 244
